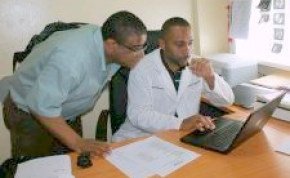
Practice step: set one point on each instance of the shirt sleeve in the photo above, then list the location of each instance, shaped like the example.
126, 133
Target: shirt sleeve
53, 85
222, 94
140, 106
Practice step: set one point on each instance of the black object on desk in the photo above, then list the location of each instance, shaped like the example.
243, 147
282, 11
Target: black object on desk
84, 160
210, 110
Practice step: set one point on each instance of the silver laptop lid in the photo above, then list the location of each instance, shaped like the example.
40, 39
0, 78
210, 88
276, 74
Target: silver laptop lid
257, 119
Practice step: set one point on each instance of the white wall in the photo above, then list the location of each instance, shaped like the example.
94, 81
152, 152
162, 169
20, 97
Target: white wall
211, 18
21, 19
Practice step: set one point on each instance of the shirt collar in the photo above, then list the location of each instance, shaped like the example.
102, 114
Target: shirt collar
98, 38
166, 65
112, 69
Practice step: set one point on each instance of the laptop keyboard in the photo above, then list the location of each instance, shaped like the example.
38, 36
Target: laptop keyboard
224, 135
219, 138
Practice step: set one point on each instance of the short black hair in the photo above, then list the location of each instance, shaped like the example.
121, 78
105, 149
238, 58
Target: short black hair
122, 24
174, 21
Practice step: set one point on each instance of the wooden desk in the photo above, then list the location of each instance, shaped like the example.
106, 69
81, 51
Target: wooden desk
254, 158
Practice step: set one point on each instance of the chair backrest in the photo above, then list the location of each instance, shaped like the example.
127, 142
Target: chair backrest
118, 86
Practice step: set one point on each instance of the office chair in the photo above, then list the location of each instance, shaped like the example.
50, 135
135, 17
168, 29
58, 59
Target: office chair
115, 116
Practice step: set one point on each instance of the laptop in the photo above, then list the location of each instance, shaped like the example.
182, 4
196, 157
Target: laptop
230, 133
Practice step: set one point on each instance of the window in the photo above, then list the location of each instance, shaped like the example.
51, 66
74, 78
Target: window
268, 33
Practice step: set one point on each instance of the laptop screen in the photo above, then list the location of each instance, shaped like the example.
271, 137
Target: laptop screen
258, 119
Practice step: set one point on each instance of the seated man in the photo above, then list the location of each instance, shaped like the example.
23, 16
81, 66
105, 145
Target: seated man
165, 88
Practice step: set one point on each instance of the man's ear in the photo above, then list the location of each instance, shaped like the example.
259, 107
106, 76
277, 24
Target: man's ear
161, 43
110, 45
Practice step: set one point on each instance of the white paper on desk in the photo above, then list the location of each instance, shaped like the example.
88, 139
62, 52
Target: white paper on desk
284, 148
149, 157
46, 167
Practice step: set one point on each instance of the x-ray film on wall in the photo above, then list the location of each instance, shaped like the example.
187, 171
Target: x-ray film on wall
278, 34
277, 48
279, 18
279, 4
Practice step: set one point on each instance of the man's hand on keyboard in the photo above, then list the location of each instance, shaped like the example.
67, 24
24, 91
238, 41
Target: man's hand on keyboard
197, 122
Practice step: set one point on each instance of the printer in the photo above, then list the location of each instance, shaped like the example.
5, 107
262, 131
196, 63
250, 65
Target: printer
234, 69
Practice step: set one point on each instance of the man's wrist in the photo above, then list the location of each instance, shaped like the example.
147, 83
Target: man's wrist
77, 145
210, 81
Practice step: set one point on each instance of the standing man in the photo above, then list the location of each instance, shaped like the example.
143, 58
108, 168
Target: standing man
62, 78
164, 93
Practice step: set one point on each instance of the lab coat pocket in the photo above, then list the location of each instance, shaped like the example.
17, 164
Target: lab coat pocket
193, 83
157, 88
160, 99
191, 96
194, 88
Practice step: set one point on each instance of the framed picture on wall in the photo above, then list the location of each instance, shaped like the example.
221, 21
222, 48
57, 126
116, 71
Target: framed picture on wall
264, 18
279, 4
279, 18
277, 48
278, 34
264, 5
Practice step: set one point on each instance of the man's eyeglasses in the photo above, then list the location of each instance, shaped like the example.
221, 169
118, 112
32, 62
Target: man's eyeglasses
135, 49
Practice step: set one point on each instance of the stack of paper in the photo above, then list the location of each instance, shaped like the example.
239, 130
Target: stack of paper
47, 167
150, 157
273, 81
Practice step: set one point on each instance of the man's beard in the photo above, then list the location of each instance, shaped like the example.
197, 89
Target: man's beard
181, 62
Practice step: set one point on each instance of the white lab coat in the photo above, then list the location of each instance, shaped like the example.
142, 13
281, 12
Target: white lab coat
153, 100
